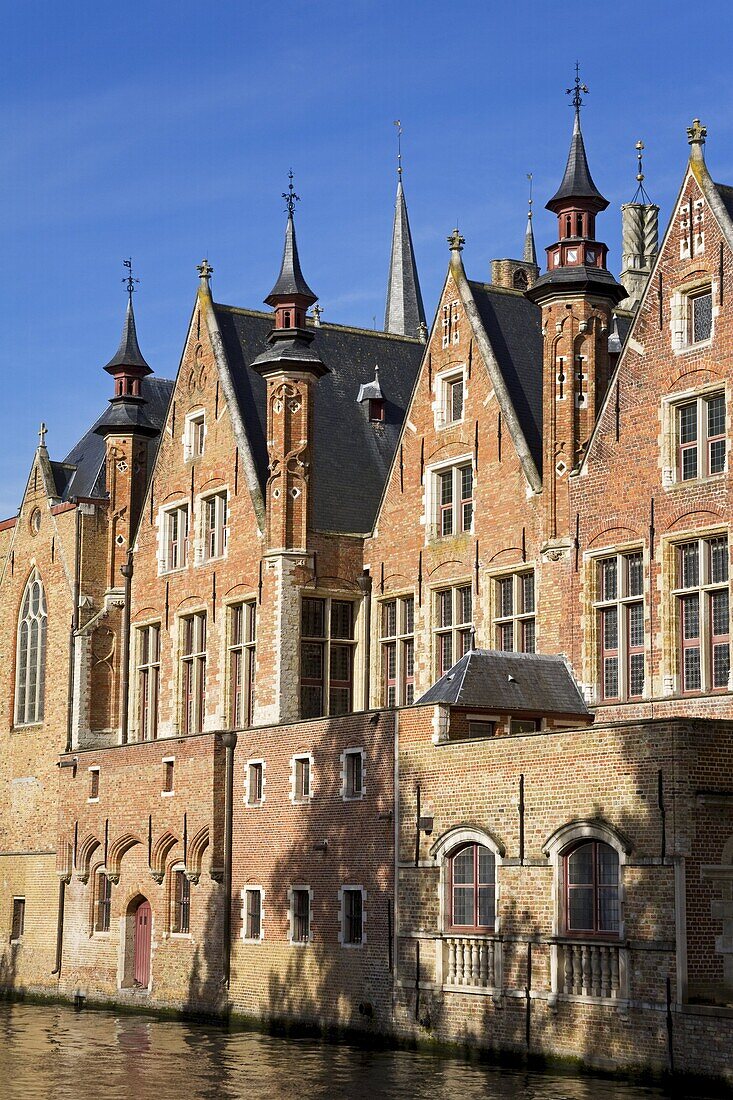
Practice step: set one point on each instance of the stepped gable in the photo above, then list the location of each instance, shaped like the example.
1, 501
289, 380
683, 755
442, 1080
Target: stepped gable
512, 325
509, 682
351, 456
81, 474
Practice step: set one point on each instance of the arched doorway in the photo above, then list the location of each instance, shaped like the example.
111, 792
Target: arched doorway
141, 943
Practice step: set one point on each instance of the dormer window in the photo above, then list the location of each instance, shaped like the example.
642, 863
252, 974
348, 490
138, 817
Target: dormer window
376, 409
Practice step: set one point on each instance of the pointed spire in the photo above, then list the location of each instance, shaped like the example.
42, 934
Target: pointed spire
530, 252
577, 183
128, 354
128, 368
404, 313
290, 281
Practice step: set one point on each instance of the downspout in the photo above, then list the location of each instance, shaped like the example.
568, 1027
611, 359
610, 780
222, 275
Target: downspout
126, 571
396, 853
60, 928
229, 740
365, 586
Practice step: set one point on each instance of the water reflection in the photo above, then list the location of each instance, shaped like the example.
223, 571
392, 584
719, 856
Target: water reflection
55, 1052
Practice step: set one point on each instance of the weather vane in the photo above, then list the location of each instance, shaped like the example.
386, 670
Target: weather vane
290, 197
575, 91
128, 279
529, 177
398, 124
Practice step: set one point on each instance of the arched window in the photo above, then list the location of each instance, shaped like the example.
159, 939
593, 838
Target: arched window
591, 874
31, 653
472, 888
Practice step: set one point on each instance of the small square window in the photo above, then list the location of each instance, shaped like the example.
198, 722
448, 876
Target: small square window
18, 925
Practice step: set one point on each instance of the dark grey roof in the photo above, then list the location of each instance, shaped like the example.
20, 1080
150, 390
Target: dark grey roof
619, 331
81, 474
581, 279
128, 353
405, 313
290, 281
577, 183
513, 326
726, 194
530, 252
535, 683
351, 456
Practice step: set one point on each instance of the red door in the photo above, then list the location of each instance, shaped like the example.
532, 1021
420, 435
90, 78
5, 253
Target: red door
143, 921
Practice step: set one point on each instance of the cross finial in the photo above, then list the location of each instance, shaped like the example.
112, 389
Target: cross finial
205, 271
456, 241
317, 311
290, 197
128, 279
42, 432
696, 133
529, 177
398, 124
577, 89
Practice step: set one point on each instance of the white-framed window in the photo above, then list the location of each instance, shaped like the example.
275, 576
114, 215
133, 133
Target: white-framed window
193, 672
214, 530
450, 322
353, 774
702, 604
242, 663
619, 603
253, 914
30, 676
327, 646
169, 771
398, 651
450, 397
453, 619
254, 783
514, 627
174, 538
180, 902
352, 916
194, 434
700, 436
301, 777
148, 680
93, 784
452, 491
300, 905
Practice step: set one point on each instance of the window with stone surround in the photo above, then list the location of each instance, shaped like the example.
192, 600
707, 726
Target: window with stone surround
451, 505
692, 317
703, 614
453, 629
300, 914
398, 651
254, 794
174, 553
180, 902
30, 676
148, 680
242, 658
514, 607
472, 889
700, 425
326, 656
352, 774
193, 672
591, 904
194, 434
214, 530
619, 604
301, 777
252, 913
102, 901
450, 394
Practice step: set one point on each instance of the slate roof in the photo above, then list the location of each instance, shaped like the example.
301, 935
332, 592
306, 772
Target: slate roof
404, 312
351, 456
577, 183
291, 280
726, 194
128, 354
535, 683
513, 326
81, 474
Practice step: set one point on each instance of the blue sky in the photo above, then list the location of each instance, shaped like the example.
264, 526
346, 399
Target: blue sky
164, 130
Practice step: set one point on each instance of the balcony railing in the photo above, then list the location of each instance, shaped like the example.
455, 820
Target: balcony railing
471, 962
596, 970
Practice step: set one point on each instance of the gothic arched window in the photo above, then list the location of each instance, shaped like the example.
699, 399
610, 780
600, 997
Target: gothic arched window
31, 654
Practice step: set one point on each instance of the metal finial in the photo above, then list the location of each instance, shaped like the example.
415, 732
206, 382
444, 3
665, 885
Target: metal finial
456, 241
529, 177
398, 124
640, 195
128, 279
290, 197
577, 89
205, 270
42, 432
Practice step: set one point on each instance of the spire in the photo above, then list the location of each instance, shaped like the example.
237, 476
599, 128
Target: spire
639, 238
128, 368
290, 281
577, 183
128, 354
405, 312
530, 253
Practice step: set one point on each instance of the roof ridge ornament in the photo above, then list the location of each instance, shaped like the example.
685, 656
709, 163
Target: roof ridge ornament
42, 433
205, 271
577, 89
696, 133
456, 241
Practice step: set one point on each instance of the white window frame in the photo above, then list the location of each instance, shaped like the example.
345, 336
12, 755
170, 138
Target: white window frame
94, 769
221, 528
198, 659
252, 888
294, 760
165, 762
670, 433
248, 800
149, 673
456, 629
434, 508
192, 420
518, 617
291, 915
705, 588
443, 384
181, 507
360, 752
400, 640
621, 602
245, 650
343, 890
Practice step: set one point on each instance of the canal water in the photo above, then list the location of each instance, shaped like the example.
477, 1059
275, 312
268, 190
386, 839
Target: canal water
55, 1053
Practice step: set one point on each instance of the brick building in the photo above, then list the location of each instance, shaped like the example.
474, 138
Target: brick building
382, 679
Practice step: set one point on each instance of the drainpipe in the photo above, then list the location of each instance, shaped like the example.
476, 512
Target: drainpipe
126, 571
365, 587
229, 740
60, 928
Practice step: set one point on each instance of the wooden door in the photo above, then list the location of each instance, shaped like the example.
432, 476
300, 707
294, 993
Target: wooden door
143, 922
